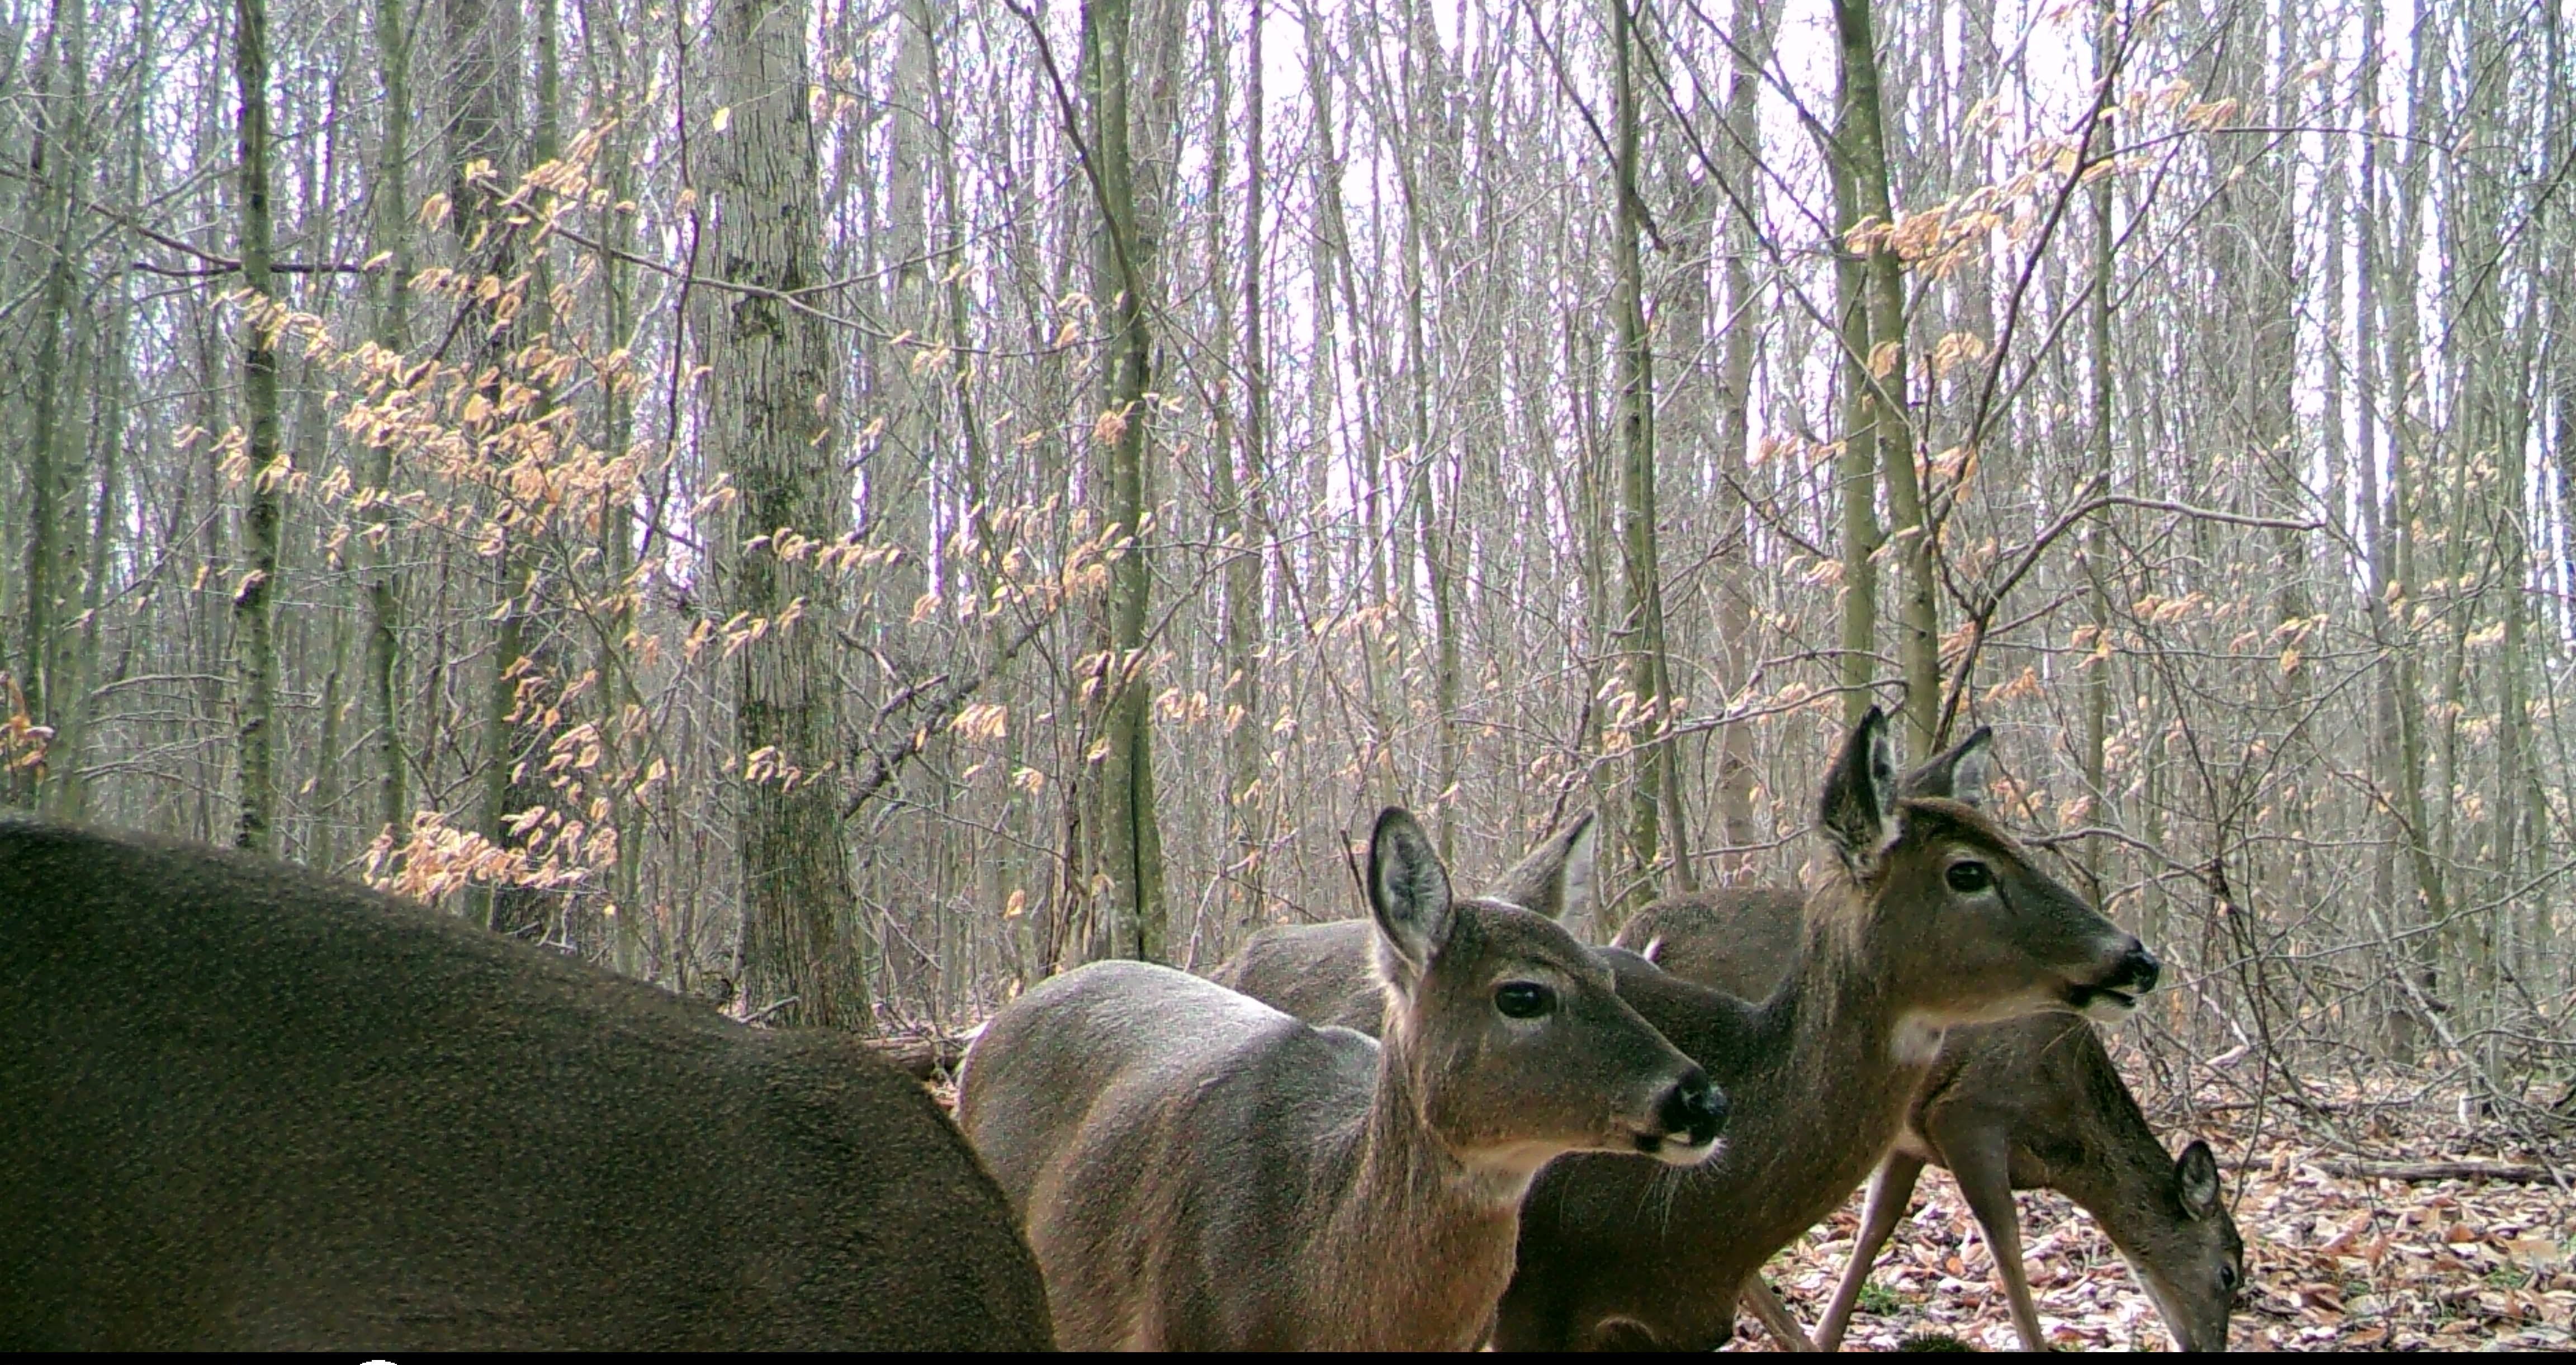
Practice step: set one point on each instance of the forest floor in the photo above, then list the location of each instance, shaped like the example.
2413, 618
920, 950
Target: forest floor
2334, 1259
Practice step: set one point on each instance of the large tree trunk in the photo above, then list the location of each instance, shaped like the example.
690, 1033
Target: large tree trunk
1235, 492
484, 102
770, 399
1749, 40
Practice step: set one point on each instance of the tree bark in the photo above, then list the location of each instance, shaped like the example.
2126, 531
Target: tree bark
255, 651
1130, 843
58, 161
391, 287
770, 426
1883, 391
1644, 626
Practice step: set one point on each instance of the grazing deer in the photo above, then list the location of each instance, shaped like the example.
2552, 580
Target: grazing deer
1932, 918
244, 1106
1199, 1171
2030, 1103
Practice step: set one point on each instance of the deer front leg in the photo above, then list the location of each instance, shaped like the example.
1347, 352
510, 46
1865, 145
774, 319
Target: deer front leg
1888, 1192
1984, 1172
1759, 1296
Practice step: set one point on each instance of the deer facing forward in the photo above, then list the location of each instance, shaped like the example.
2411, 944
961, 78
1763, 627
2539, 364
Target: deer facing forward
1199, 1171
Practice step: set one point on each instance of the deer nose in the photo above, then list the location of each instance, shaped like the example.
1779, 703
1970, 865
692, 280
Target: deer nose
1695, 1107
2138, 970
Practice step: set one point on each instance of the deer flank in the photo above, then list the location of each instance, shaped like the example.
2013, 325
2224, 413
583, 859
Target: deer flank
243, 1106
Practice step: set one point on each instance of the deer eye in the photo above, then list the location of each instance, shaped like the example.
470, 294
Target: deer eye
1970, 877
1524, 999
2227, 1279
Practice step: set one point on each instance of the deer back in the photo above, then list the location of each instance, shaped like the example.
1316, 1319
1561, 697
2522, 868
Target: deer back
1325, 974
245, 1106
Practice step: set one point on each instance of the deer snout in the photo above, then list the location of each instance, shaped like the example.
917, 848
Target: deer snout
1692, 1113
2138, 969
2132, 975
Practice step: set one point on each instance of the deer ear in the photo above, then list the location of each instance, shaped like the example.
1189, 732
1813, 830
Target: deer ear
1858, 809
1959, 772
2196, 1176
1408, 889
1555, 880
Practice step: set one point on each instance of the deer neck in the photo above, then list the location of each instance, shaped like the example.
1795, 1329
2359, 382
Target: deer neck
1418, 1247
1822, 1087
2126, 1179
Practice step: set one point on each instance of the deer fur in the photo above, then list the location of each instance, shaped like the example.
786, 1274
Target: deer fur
1837, 1050
244, 1106
1200, 1171
2031, 1103
1894, 949
1326, 974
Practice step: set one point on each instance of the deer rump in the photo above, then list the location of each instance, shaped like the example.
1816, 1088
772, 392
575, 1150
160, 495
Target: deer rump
245, 1106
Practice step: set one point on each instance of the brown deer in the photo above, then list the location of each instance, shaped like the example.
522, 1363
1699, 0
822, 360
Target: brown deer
1199, 1171
1903, 946
244, 1106
2031, 1103
1931, 918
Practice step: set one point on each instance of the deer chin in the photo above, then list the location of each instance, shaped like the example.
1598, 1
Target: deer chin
1678, 1149
1501, 1174
2101, 1004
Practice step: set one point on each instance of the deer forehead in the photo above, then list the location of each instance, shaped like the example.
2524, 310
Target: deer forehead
1497, 941
1941, 827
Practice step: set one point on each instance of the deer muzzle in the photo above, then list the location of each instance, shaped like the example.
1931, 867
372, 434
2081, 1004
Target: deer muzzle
2133, 975
1691, 1115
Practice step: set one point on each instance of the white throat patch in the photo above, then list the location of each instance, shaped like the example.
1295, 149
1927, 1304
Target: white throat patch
1916, 1040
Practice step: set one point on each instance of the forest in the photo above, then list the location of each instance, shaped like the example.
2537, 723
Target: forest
844, 509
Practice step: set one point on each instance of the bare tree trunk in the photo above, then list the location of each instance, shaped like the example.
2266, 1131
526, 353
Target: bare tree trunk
1749, 39
769, 423
2093, 549
59, 162
1233, 492
1130, 843
254, 649
1644, 626
392, 289
1856, 469
1864, 145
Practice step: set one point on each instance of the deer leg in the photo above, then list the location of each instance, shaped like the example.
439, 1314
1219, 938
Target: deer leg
1758, 1295
1888, 1191
1984, 1173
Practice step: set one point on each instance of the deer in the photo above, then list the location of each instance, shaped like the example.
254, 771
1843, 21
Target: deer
247, 1106
1928, 917
1196, 1170
2031, 1103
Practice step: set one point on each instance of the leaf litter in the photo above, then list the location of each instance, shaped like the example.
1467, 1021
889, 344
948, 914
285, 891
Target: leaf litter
2333, 1261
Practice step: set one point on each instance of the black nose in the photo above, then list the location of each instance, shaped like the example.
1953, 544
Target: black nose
2138, 970
1695, 1107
